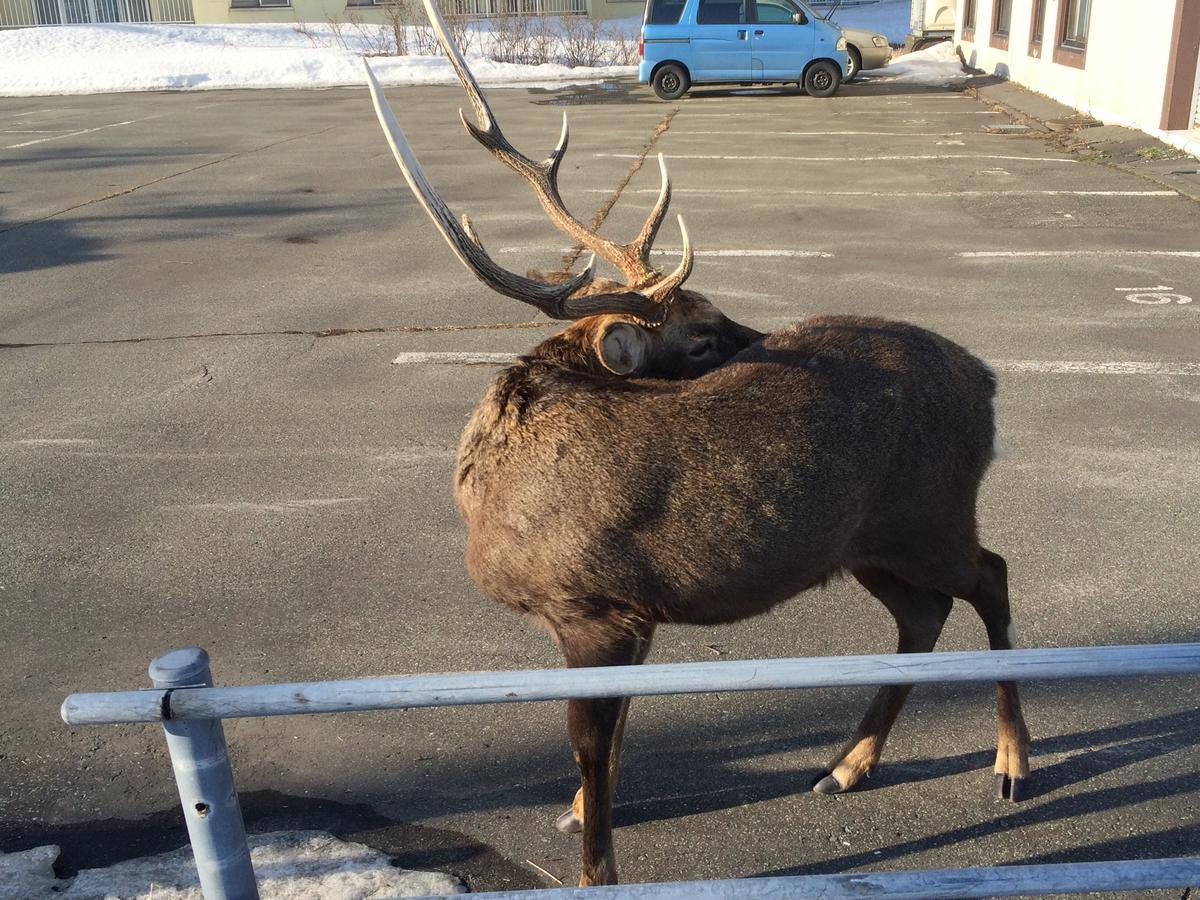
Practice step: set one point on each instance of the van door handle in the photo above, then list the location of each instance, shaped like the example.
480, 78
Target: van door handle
741, 34
758, 32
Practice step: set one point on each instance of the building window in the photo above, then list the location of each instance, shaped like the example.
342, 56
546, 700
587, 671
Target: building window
1075, 24
968, 20
1003, 17
258, 4
1071, 45
1001, 21
1038, 28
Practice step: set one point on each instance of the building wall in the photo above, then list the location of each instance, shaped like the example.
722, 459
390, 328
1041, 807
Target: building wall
1125, 71
217, 12
617, 9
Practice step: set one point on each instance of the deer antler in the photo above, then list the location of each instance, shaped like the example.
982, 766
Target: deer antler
649, 290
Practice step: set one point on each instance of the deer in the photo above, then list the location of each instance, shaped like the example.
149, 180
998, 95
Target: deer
656, 462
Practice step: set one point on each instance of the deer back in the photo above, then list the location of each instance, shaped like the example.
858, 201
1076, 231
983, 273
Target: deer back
808, 452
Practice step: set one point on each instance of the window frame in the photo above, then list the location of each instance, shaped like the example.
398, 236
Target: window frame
999, 39
970, 11
656, 5
755, 20
1037, 14
1066, 54
259, 4
745, 5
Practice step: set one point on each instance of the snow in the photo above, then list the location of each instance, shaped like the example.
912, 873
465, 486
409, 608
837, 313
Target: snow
936, 66
887, 17
291, 865
29, 873
92, 59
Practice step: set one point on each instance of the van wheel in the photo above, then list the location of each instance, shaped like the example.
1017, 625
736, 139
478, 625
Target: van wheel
670, 82
822, 79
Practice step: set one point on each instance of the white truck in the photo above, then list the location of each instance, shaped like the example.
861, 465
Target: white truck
931, 21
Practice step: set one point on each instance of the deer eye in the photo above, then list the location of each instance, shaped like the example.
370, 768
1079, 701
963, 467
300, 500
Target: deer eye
702, 347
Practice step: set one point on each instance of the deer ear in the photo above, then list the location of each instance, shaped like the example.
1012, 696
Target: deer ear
623, 348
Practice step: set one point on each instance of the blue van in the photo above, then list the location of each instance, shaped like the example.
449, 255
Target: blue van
686, 42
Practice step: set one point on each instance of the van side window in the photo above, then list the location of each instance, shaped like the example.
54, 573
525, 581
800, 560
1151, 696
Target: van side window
774, 13
665, 12
721, 12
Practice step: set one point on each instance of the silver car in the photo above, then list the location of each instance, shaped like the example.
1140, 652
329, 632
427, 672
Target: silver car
866, 49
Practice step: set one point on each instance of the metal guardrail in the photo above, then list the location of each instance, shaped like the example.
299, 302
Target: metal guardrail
191, 709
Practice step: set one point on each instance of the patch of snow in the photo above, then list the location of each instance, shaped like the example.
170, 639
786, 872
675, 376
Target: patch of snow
28, 873
888, 17
290, 865
936, 66
93, 59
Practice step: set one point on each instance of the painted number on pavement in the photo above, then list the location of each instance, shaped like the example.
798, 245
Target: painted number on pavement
1159, 295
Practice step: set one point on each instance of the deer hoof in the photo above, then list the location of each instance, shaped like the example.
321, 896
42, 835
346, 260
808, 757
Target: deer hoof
825, 783
1012, 789
569, 823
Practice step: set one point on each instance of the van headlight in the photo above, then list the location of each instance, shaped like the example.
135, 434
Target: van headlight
841, 44
879, 41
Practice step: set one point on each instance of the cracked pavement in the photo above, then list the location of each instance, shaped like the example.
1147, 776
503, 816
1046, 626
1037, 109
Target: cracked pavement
205, 441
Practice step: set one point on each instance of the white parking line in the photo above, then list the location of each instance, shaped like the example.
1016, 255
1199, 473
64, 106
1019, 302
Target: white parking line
58, 137
827, 133
1051, 254
908, 111
1028, 193
1074, 367
791, 254
454, 358
897, 158
1036, 366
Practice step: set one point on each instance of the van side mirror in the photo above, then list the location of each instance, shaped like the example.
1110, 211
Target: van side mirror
799, 18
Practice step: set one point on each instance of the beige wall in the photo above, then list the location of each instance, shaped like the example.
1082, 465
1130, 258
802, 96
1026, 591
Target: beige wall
617, 9
1126, 66
217, 12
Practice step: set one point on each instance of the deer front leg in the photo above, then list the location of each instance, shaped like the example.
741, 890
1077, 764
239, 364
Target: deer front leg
571, 821
920, 615
592, 724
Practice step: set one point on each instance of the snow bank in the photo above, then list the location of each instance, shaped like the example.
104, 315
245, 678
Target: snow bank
888, 17
936, 66
291, 865
94, 59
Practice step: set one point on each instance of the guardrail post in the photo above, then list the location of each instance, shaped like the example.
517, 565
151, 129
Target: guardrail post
205, 780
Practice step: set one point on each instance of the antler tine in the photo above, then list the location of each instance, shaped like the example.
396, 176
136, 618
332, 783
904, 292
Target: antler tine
661, 290
543, 176
640, 246
553, 299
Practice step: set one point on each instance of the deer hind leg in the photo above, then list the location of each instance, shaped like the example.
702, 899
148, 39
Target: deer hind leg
571, 821
920, 614
592, 725
990, 599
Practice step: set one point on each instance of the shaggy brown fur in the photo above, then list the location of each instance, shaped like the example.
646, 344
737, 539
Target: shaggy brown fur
604, 506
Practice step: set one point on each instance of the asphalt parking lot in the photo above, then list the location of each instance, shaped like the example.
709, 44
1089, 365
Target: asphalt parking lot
206, 441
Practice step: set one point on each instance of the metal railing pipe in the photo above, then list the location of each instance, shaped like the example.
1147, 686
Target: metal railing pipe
205, 781
415, 691
929, 884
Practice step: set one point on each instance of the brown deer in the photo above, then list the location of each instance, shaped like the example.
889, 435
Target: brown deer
656, 462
